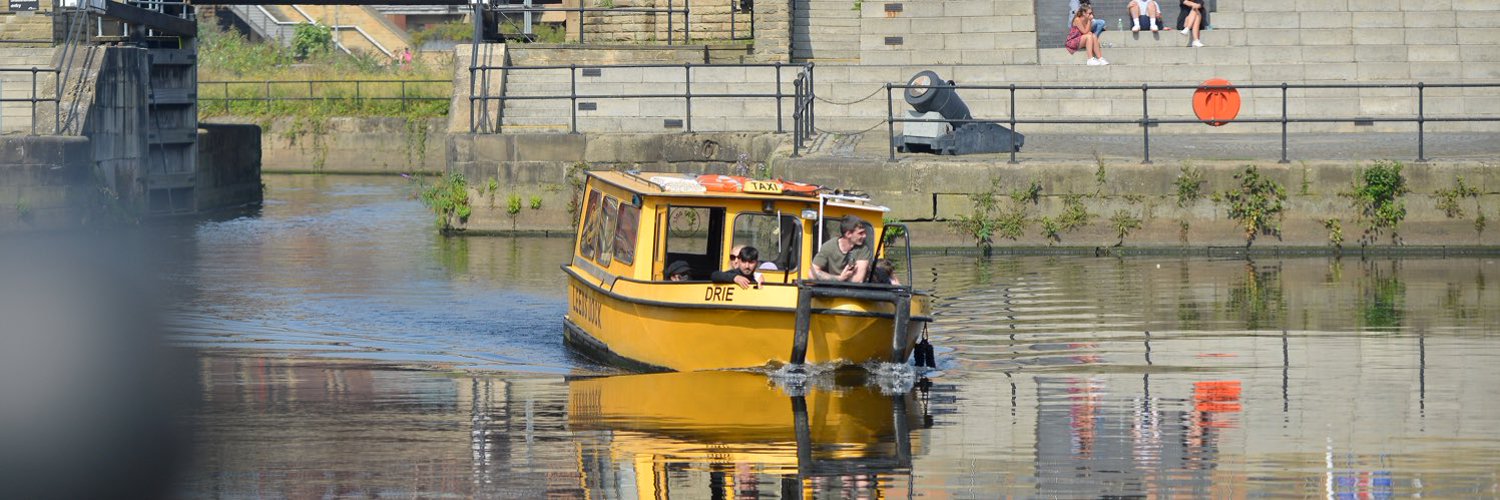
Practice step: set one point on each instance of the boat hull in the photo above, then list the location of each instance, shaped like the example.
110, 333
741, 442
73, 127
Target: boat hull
705, 326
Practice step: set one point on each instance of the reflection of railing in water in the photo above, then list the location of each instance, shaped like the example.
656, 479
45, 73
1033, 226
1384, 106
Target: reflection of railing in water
1146, 122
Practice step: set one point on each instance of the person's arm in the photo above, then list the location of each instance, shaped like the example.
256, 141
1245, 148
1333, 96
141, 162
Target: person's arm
731, 276
861, 269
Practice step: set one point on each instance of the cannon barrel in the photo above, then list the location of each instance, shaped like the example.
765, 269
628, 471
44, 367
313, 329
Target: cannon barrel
945, 101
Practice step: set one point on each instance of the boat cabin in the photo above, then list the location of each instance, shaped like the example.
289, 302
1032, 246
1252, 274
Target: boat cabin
634, 225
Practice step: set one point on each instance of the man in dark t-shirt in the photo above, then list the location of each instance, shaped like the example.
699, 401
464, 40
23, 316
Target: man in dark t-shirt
741, 270
846, 258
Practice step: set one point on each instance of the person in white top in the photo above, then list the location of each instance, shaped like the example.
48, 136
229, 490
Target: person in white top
1147, 8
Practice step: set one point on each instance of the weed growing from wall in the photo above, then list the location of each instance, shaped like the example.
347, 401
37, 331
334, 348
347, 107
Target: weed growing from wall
1123, 223
1074, 216
536, 202
1189, 183
1448, 199
987, 220
1335, 229
1257, 204
1377, 195
448, 198
575, 177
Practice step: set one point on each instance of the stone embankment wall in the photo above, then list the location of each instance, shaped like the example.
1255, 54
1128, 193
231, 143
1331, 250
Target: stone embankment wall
45, 182
1152, 205
344, 145
711, 20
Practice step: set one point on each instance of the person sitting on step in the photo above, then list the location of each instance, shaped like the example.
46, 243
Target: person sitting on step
1147, 11
1080, 36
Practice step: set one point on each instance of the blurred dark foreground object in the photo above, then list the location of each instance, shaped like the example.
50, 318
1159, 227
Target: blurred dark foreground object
90, 398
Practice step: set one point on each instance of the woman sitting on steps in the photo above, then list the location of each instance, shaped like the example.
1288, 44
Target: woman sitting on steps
1081, 36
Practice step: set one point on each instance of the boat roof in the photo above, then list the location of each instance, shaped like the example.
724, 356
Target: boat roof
670, 184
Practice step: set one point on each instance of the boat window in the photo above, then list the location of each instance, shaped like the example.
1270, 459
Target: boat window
777, 240
607, 230
588, 234
695, 235
625, 232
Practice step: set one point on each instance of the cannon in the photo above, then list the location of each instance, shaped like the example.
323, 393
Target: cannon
946, 129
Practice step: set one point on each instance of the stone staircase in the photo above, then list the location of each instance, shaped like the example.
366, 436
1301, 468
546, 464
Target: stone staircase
1265, 42
825, 31
359, 28
639, 114
16, 117
354, 27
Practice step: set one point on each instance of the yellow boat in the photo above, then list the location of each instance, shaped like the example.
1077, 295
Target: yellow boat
623, 310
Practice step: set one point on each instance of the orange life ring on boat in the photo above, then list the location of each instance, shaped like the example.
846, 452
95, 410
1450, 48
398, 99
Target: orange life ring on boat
724, 183
798, 188
1216, 106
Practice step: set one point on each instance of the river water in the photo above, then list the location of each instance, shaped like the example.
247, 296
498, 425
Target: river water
348, 350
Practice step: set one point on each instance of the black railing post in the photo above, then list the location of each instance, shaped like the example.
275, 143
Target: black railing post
1283, 124
797, 116
573, 96
687, 78
890, 123
1012, 134
812, 98
732, 9
1146, 121
357, 98
687, 23
403, 95
580, 22
309, 89
33, 100
267, 99
669, 21
1421, 122
779, 128
226, 98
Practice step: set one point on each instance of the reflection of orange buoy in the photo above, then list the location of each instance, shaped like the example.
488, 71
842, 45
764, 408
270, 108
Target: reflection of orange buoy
1216, 106
1217, 396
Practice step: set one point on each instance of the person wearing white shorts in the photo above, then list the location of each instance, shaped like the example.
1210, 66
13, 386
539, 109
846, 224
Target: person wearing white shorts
1144, 8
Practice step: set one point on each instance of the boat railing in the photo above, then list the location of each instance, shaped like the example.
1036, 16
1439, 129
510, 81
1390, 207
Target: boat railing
807, 290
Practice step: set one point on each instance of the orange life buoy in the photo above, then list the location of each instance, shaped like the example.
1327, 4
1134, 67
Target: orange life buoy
799, 188
1216, 106
723, 183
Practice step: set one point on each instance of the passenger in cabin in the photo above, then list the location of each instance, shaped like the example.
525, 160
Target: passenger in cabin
884, 272
846, 258
678, 271
765, 265
742, 265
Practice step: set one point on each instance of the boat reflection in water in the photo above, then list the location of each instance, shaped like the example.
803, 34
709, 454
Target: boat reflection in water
737, 434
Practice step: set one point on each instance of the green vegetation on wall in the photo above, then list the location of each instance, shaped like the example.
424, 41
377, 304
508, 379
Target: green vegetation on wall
1377, 195
448, 198
1257, 203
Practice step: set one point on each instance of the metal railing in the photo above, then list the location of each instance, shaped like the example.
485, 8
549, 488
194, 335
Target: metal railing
35, 72
1146, 122
281, 30
735, 7
670, 10
332, 90
801, 95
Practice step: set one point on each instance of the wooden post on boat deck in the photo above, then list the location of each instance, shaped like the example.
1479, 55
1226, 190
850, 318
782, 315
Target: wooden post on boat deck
804, 324
902, 319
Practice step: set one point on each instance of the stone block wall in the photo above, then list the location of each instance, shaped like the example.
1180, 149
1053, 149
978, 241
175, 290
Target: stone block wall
45, 182
948, 32
710, 21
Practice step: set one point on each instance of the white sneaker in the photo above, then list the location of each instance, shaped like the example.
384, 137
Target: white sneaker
1135, 28
1184, 32
1197, 43
1093, 62
1154, 29
1103, 62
